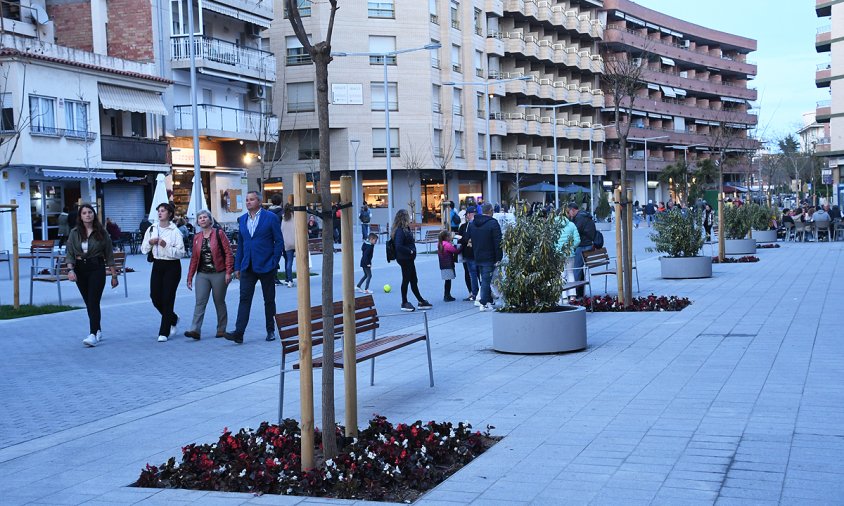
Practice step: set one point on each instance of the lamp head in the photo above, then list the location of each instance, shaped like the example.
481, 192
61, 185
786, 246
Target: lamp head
449, 83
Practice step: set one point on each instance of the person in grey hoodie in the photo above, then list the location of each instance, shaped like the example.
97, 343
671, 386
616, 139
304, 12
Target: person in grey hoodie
486, 242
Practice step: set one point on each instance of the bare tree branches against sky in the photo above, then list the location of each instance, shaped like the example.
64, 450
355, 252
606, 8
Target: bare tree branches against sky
785, 31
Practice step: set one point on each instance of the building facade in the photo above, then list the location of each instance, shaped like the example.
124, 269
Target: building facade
830, 112
696, 100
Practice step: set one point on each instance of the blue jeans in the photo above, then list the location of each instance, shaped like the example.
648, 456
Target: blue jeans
649, 218
289, 255
248, 280
364, 231
485, 271
473, 277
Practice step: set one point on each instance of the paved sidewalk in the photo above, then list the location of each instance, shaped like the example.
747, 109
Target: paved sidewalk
736, 399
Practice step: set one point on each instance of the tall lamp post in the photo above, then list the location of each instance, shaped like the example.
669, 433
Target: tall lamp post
385, 58
592, 167
356, 201
555, 107
488, 140
645, 140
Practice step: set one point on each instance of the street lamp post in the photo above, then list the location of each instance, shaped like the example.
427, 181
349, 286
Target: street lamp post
592, 168
385, 57
356, 197
646, 139
488, 139
555, 107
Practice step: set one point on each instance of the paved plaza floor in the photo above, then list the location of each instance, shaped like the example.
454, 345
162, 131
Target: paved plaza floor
737, 399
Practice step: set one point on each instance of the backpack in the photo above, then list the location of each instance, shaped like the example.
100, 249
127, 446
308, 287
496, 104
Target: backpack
598, 240
391, 250
364, 217
455, 219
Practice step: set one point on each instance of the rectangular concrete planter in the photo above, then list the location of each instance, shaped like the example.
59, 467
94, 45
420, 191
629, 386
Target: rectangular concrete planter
740, 246
685, 267
557, 332
761, 236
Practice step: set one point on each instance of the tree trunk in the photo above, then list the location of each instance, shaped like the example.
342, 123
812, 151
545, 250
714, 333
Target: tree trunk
721, 237
625, 292
321, 60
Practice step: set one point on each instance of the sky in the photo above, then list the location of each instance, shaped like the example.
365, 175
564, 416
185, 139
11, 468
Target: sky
786, 57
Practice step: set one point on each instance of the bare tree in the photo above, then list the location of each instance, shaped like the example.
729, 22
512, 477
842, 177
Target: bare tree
413, 161
443, 155
622, 83
320, 53
12, 129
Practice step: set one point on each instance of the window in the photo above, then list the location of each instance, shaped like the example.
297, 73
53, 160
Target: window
7, 118
479, 64
435, 55
432, 9
437, 142
377, 96
42, 113
381, 8
481, 147
457, 102
296, 54
436, 90
308, 145
138, 121
300, 97
179, 18
379, 142
455, 58
458, 144
479, 22
455, 15
304, 8
382, 44
480, 104
76, 118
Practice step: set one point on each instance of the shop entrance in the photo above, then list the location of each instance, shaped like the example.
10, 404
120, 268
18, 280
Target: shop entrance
432, 198
47, 199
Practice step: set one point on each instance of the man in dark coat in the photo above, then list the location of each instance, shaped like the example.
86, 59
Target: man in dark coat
486, 242
586, 228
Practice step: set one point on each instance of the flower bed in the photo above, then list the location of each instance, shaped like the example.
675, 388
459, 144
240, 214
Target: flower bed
741, 260
767, 245
609, 304
385, 463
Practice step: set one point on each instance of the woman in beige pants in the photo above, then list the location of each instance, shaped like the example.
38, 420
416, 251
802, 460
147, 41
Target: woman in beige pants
213, 263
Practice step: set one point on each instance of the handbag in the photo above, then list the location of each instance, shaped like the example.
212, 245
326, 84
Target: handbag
151, 258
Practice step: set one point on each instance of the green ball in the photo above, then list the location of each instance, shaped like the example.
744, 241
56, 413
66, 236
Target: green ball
388, 288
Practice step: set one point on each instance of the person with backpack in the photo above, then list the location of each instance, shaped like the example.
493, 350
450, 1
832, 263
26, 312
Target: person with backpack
404, 246
569, 234
454, 217
585, 225
212, 262
365, 216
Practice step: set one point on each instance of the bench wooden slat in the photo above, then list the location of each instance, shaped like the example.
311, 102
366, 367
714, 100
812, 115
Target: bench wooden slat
367, 350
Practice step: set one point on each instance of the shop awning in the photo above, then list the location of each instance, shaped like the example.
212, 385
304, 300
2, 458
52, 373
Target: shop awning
668, 91
667, 61
130, 99
235, 14
102, 175
680, 92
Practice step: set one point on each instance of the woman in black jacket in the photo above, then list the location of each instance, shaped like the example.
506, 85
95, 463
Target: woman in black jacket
405, 257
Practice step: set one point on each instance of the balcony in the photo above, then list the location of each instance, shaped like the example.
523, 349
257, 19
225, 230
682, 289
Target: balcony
823, 111
226, 122
495, 7
823, 8
823, 39
824, 145
133, 150
823, 75
619, 34
676, 80
673, 108
684, 137
224, 57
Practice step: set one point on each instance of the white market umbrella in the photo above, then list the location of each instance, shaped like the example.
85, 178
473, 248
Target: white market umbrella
196, 192
159, 196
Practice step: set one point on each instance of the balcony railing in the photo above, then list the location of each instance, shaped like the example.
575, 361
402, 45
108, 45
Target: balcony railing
379, 59
133, 150
227, 119
382, 152
227, 53
824, 103
824, 29
51, 131
435, 19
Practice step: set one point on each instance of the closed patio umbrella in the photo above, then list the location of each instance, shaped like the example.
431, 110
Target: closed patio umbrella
159, 196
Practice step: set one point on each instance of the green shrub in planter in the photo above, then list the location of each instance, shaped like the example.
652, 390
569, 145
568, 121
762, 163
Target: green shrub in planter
530, 276
737, 221
602, 210
678, 234
763, 217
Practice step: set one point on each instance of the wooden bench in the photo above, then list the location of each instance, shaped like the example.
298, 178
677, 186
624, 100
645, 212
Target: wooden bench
431, 237
120, 269
375, 228
315, 247
366, 320
598, 263
55, 272
416, 230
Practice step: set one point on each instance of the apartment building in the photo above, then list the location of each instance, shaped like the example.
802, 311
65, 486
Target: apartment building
234, 72
547, 52
696, 100
830, 112
77, 125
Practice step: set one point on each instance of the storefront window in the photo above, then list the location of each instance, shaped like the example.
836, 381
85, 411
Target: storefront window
182, 187
473, 190
432, 197
375, 193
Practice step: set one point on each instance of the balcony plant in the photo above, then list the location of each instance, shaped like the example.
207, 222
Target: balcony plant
530, 280
738, 221
680, 235
603, 211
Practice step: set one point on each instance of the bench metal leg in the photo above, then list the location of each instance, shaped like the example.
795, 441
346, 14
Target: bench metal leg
31, 283
59, 286
372, 365
281, 387
428, 348
125, 286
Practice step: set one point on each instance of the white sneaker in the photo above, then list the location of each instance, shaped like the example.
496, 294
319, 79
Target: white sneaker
173, 328
90, 341
99, 335
368, 291
162, 339
359, 290
487, 307
478, 302
289, 284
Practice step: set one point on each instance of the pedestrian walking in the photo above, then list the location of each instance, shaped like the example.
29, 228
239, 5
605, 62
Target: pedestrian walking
259, 248
486, 241
708, 221
586, 230
288, 233
89, 251
470, 273
365, 216
446, 252
64, 228
406, 256
569, 234
367, 252
212, 262
167, 245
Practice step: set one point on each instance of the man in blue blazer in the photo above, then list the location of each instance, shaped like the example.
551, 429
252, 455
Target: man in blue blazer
259, 249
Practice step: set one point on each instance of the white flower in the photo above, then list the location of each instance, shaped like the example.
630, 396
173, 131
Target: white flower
259, 440
276, 461
371, 455
289, 490
329, 463
404, 443
243, 473
328, 475
424, 450
398, 471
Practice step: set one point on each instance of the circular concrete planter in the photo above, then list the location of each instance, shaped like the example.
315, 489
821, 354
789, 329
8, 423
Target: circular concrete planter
765, 236
603, 226
740, 246
528, 333
686, 267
